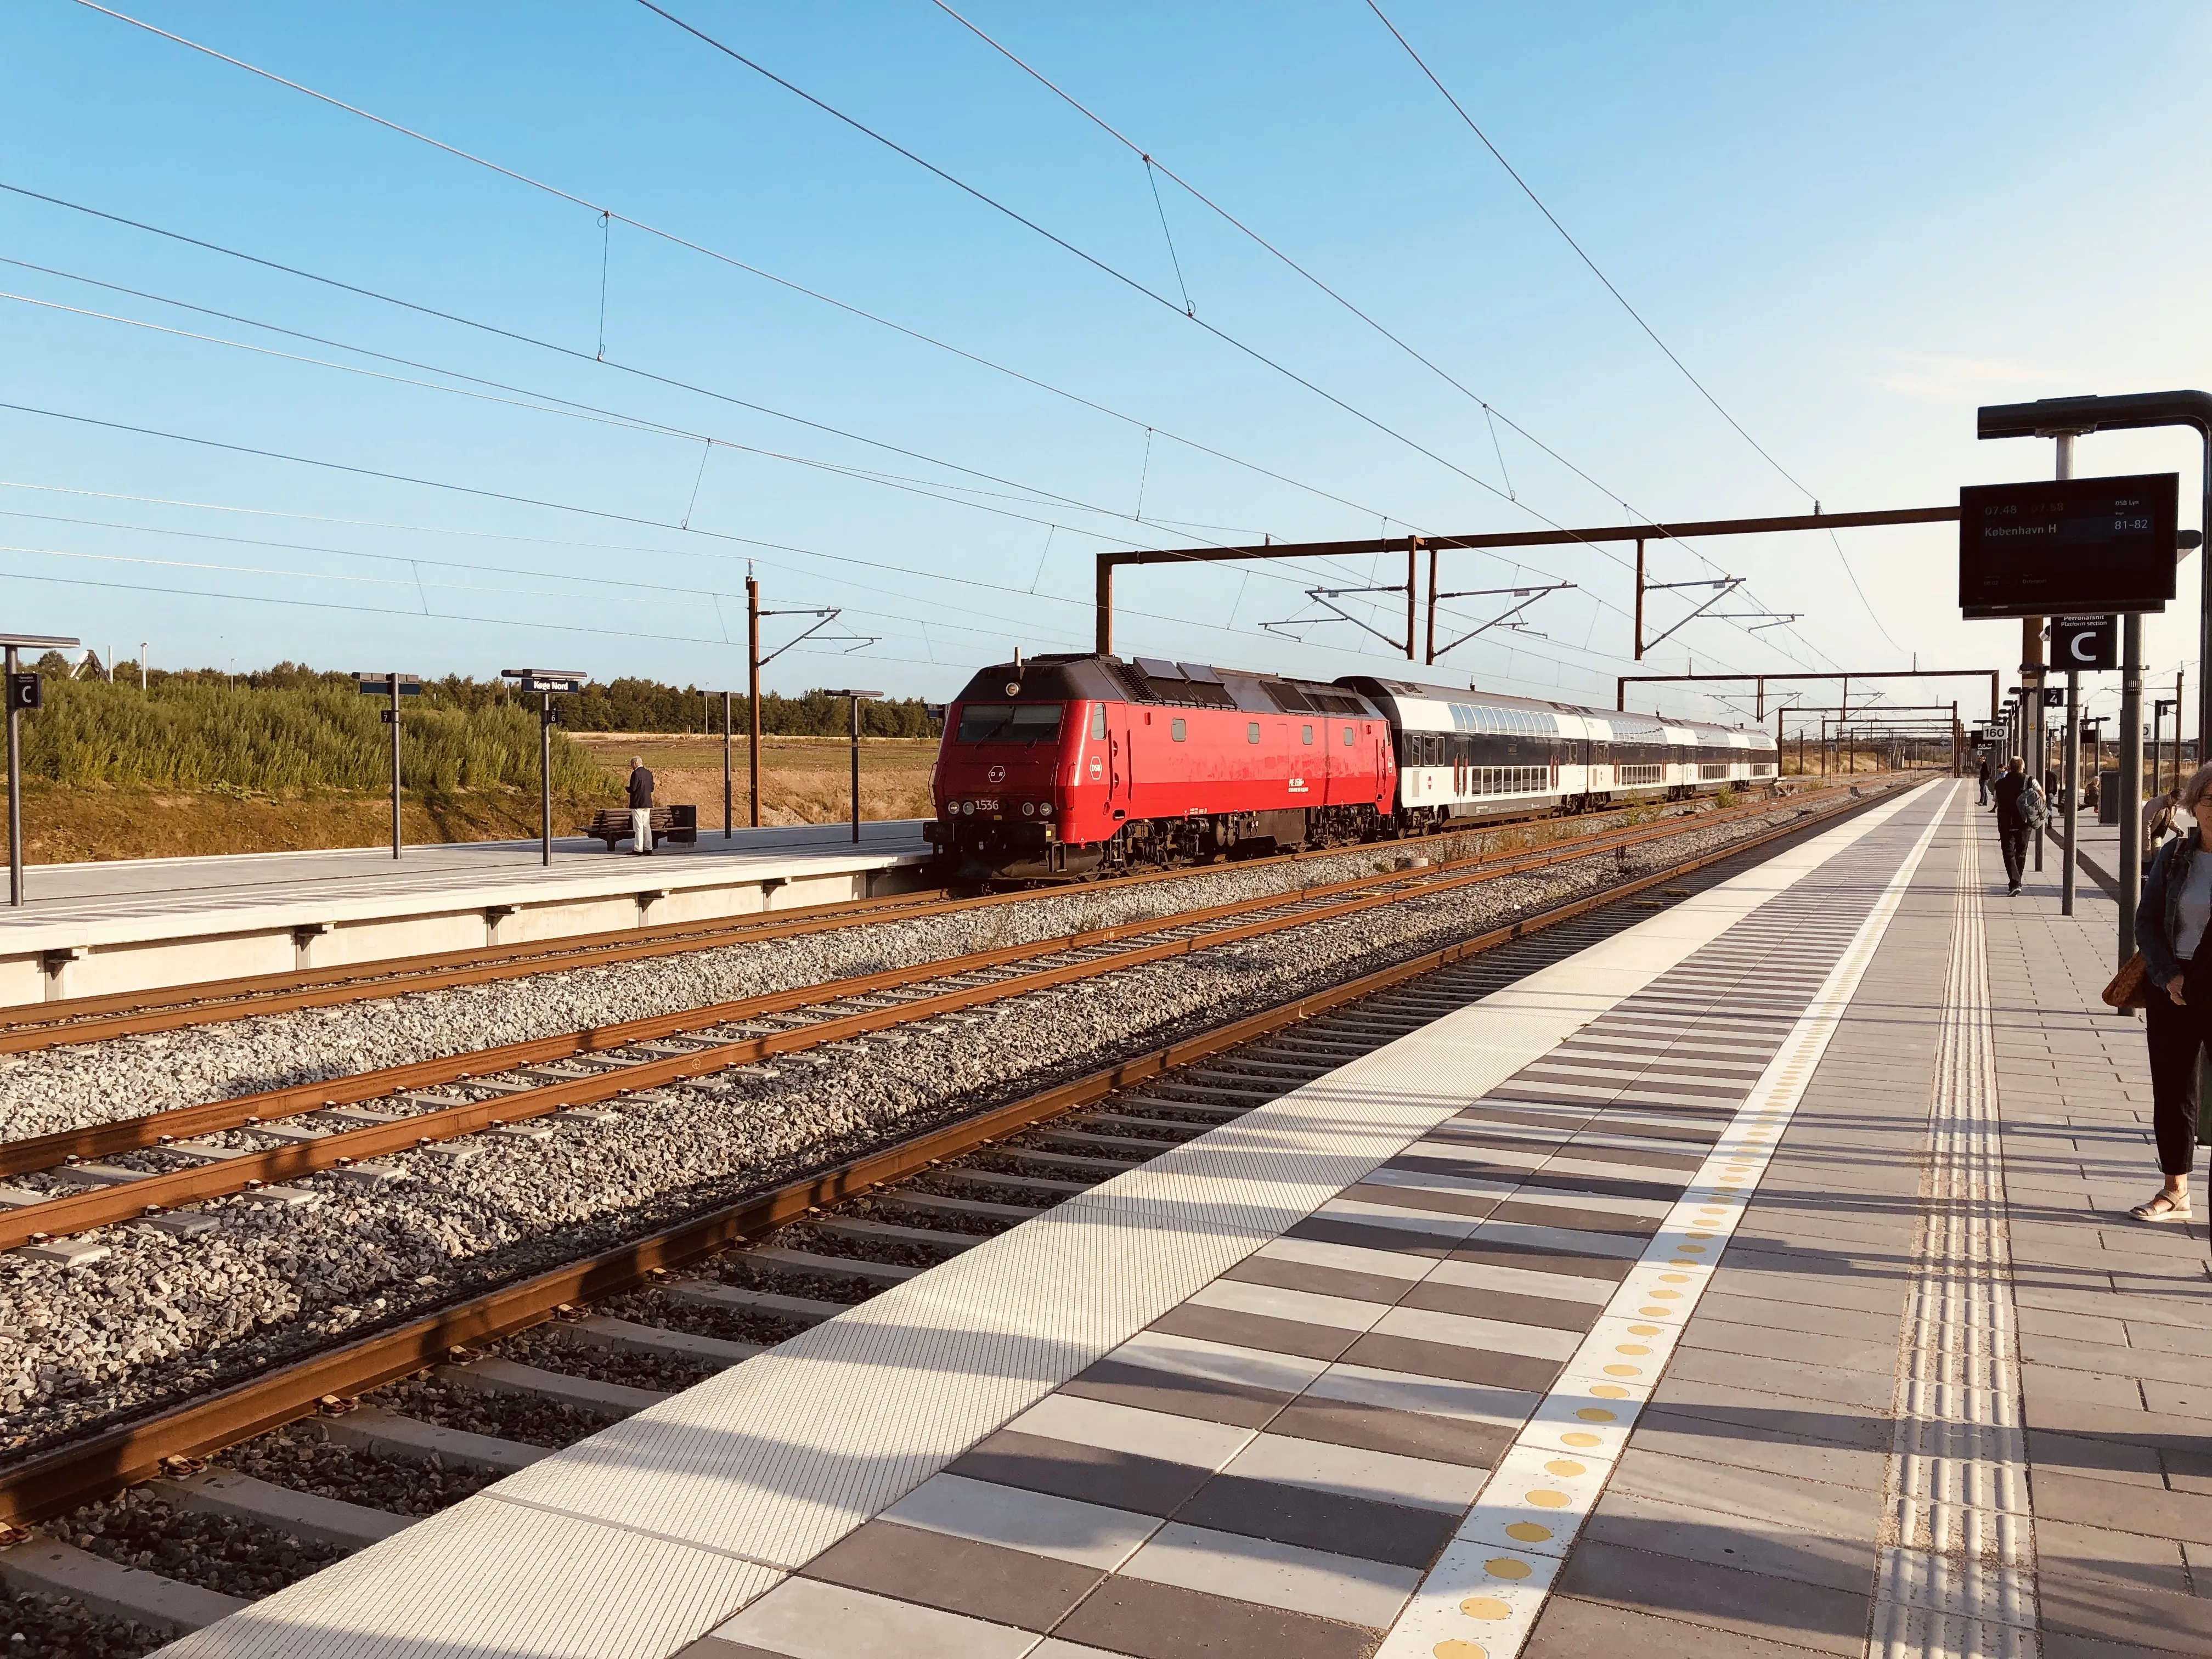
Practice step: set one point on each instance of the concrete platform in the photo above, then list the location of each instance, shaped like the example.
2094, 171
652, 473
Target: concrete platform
1756, 1284
91, 929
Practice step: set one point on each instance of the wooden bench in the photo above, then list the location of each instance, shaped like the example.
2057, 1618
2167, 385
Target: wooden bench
679, 824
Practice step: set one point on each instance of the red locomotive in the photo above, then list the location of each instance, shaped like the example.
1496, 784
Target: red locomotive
1068, 766
1064, 765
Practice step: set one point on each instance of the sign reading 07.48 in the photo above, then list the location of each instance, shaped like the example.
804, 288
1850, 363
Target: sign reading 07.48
2070, 547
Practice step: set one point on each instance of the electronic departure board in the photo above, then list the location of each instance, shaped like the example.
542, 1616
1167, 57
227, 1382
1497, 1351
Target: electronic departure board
2066, 547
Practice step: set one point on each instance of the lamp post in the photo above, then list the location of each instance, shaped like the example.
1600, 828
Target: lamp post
858, 698
546, 682
25, 692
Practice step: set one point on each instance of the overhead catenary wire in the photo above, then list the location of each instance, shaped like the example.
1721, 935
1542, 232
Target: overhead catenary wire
1027, 492
599, 513
648, 228
1651, 333
709, 252
499, 331
858, 312
1491, 412
597, 208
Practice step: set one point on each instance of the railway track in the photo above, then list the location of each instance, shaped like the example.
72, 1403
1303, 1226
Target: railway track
152, 1167
32, 1027
415, 1417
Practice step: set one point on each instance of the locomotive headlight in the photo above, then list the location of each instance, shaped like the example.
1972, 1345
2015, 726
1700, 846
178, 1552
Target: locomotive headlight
967, 806
1029, 809
1045, 811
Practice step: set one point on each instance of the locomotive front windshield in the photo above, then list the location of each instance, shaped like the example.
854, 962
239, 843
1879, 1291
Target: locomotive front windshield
1009, 722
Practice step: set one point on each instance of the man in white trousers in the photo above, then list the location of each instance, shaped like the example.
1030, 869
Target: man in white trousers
641, 806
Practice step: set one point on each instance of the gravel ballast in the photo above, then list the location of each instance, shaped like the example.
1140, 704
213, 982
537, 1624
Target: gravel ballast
83, 1084
220, 1553
163, 1318
300, 1458
52, 1627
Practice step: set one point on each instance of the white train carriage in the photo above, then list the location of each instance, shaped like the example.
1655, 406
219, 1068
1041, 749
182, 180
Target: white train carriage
1468, 755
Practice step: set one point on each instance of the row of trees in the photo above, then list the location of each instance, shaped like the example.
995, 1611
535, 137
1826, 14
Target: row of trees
619, 705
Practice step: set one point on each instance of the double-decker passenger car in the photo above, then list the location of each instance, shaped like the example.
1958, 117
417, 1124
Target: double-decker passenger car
1475, 755
1068, 765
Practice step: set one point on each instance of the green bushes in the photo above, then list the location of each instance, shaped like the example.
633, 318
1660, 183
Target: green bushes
198, 733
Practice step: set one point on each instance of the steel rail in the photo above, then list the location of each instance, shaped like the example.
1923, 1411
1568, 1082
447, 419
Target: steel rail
34, 1026
57, 1481
108, 1205
156, 1129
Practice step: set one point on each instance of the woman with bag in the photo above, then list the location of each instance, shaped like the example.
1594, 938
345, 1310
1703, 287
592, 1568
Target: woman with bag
2170, 929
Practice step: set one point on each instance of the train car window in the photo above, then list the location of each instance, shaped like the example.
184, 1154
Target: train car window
1098, 720
1252, 731
1305, 734
1009, 722
1347, 737
1177, 730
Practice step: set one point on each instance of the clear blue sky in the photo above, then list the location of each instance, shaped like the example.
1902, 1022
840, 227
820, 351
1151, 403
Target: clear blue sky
1851, 223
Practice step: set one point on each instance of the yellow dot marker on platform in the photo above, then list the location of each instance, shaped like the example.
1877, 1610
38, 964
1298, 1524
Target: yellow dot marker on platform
1505, 1567
1545, 1499
1691, 1249
1484, 1607
1624, 1371
1457, 1650
1610, 1391
1528, 1532
1644, 1330
1596, 1414
1654, 1313
1633, 1350
1565, 1467
1670, 1296
1581, 1441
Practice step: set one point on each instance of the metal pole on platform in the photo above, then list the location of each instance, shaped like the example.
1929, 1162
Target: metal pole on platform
2132, 739
2073, 789
395, 762
545, 777
727, 829
856, 768
14, 787
752, 691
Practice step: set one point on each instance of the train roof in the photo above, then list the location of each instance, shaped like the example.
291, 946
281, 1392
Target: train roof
1157, 681
1375, 685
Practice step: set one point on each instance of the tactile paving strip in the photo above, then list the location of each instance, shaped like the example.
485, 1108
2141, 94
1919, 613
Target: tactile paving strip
1957, 1572
1484, 1596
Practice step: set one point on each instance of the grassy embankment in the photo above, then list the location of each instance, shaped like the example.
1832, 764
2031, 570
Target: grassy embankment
200, 769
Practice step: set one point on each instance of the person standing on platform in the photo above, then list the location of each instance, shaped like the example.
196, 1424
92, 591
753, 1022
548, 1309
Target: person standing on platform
1983, 776
2015, 793
2170, 924
640, 804
2158, 823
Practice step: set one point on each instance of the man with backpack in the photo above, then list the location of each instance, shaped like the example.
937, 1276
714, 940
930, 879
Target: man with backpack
1983, 777
2022, 810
